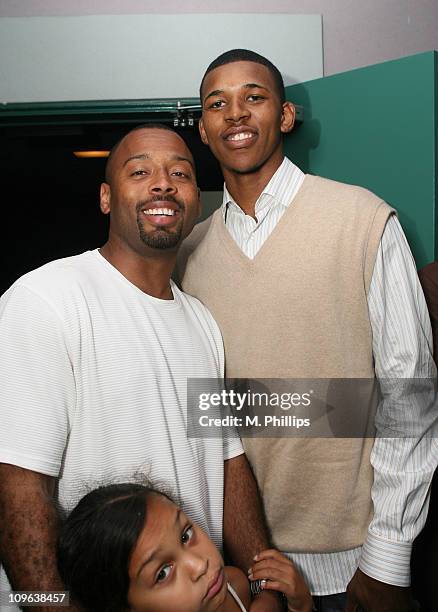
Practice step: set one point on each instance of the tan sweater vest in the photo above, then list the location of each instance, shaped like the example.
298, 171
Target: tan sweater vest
299, 310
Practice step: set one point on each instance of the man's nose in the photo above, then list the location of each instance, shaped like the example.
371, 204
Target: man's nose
237, 110
161, 182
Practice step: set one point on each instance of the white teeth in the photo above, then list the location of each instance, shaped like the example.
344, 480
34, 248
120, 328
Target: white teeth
240, 136
160, 211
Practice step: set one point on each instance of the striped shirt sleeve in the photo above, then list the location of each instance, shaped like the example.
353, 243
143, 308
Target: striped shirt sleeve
404, 463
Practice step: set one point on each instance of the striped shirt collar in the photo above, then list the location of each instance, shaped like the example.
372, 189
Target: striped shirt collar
282, 188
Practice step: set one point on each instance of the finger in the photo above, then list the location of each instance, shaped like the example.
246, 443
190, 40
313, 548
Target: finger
271, 562
274, 554
270, 553
276, 585
273, 573
292, 596
275, 558
281, 564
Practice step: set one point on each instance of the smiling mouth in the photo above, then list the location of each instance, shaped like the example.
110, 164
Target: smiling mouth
167, 212
240, 136
162, 216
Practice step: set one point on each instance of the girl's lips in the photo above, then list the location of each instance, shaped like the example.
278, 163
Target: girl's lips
216, 586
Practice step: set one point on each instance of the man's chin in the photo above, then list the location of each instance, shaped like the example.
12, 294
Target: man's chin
161, 240
245, 168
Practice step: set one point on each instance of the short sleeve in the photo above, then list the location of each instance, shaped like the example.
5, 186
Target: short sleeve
37, 390
232, 444
232, 448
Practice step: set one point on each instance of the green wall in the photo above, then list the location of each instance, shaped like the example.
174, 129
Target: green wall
376, 127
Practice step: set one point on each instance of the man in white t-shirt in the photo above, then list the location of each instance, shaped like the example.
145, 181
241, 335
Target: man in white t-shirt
96, 350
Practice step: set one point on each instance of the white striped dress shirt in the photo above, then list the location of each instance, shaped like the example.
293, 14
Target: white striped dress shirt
402, 346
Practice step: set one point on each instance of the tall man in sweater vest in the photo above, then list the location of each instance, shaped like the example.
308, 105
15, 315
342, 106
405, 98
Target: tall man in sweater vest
309, 278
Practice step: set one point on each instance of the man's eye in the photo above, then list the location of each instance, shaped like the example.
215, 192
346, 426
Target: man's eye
138, 172
255, 97
164, 573
179, 173
187, 535
217, 104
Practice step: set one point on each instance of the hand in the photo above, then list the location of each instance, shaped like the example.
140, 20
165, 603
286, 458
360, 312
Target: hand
282, 575
267, 602
366, 594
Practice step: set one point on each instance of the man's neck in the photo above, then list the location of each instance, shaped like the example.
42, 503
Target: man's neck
245, 189
151, 274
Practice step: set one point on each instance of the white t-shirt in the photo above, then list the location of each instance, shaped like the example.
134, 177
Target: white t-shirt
93, 385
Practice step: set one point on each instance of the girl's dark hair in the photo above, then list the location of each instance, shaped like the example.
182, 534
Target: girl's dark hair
95, 545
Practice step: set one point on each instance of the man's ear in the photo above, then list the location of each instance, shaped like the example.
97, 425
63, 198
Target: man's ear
203, 132
105, 198
287, 117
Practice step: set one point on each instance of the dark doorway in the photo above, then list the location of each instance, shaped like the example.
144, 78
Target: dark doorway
51, 198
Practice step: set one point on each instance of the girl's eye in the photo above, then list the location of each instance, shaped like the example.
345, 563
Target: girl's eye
187, 535
164, 573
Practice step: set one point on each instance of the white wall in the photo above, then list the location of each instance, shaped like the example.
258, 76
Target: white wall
356, 32
107, 57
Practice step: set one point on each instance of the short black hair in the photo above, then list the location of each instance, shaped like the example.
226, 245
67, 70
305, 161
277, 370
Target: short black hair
245, 55
95, 544
142, 126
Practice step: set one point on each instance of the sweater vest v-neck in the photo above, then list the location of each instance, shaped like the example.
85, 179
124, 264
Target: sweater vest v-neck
299, 310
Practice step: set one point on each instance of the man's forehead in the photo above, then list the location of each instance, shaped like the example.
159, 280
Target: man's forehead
151, 143
154, 139
238, 73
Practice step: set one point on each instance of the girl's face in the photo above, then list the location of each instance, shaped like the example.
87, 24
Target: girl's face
174, 565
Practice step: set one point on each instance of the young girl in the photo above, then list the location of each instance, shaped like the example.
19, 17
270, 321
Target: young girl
129, 547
